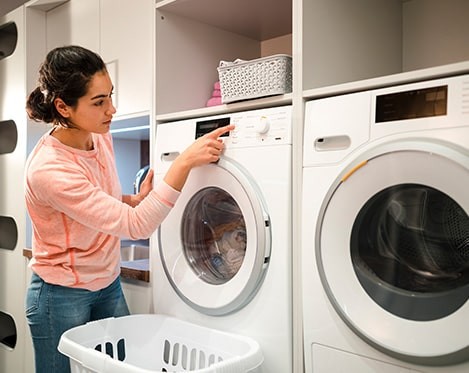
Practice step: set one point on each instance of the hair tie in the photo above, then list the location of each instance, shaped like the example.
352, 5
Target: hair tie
45, 93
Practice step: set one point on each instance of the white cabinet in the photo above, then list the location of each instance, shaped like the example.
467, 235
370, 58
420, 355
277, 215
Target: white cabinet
126, 44
74, 22
121, 32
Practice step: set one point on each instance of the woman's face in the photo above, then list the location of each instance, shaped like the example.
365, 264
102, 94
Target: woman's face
94, 111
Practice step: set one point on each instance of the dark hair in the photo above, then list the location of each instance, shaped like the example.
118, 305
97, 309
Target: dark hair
65, 74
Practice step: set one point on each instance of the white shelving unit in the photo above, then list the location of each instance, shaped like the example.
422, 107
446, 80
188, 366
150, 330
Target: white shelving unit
192, 37
15, 76
338, 46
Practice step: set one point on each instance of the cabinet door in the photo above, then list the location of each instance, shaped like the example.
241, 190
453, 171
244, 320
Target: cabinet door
74, 22
126, 45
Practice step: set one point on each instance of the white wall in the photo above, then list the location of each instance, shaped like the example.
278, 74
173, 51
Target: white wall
128, 162
435, 33
8, 5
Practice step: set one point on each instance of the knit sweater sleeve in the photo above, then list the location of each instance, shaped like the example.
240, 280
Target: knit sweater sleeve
68, 190
87, 192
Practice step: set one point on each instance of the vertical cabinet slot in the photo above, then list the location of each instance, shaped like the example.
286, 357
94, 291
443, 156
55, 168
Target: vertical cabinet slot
8, 233
8, 136
8, 334
8, 39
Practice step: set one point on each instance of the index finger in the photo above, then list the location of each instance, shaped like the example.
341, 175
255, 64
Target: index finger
221, 130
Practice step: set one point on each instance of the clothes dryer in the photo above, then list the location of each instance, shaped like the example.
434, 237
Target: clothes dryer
222, 257
385, 242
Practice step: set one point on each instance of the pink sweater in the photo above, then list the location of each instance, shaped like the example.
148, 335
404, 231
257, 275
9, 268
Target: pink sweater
75, 203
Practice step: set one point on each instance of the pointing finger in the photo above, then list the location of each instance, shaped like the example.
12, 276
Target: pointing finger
222, 130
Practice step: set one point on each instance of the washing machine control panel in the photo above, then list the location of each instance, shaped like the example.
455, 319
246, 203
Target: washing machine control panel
207, 125
252, 128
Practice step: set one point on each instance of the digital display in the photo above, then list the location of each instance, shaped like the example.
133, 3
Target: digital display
419, 103
207, 126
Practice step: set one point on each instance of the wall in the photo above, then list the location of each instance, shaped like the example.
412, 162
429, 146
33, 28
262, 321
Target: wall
281, 44
7, 6
435, 33
127, 155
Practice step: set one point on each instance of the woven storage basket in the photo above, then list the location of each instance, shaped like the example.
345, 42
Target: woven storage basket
255, 78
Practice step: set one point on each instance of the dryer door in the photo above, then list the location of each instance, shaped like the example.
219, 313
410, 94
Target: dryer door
393, 250
215, 244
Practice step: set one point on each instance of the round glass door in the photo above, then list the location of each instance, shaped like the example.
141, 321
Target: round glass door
410, 251
215, 244
392, 250
214, 235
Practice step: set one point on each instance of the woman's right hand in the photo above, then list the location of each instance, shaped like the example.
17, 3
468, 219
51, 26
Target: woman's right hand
206, 149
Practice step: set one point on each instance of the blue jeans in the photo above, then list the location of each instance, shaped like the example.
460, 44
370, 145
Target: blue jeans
52, 309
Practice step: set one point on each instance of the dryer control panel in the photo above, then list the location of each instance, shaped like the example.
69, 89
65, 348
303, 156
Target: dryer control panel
260, 127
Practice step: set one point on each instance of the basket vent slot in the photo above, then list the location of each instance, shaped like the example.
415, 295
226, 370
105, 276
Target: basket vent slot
182, 357
116, 351
175, 355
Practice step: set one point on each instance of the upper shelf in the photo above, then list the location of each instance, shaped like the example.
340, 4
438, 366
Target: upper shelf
388, 80
131, 128
277, 100
258, 19
45, 5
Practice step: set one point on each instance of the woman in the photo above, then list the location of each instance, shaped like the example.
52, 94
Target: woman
74, 199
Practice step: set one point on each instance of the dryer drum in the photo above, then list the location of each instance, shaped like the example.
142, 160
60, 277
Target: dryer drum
414, 241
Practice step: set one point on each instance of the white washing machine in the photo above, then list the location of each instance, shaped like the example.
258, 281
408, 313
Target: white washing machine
385, 242
222, 257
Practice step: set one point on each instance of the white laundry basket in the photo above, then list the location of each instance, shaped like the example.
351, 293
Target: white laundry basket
157, 343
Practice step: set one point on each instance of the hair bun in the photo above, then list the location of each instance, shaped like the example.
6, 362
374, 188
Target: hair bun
38, 107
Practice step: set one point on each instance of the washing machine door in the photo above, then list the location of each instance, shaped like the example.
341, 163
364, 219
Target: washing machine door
393, 250
215, 244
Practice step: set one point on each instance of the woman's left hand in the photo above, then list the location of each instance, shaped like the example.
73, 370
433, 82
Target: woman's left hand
147, 185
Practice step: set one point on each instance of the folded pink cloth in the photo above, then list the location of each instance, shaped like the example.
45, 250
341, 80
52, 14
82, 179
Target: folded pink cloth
214, 101
216, 96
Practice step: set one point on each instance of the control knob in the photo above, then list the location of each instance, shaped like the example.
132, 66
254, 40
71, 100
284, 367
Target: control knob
263, 125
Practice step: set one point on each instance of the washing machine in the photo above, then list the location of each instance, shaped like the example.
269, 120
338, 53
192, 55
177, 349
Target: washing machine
385, 229
222, 257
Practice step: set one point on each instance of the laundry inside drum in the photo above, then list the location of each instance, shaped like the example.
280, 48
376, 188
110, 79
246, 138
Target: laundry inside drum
213, 232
